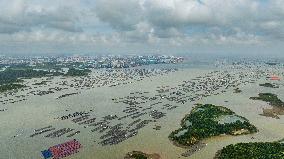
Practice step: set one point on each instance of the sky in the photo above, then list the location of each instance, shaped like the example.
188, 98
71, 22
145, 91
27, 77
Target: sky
51, 27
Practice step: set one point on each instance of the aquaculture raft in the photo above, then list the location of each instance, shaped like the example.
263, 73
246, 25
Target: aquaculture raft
62, 150
275, 78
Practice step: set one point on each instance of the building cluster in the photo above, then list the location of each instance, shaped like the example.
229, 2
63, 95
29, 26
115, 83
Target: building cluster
93, 61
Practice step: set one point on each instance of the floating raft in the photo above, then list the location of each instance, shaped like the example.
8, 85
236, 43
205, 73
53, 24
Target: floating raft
62, 150
275, 78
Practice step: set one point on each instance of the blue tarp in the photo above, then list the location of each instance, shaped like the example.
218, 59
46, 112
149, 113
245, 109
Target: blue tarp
46, 154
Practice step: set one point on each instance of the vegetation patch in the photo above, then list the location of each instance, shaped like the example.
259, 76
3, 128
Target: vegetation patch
11, 86
12, 75
258, 150
270, 85
141, 155
15, 74
77, 72
274, 101
209, 120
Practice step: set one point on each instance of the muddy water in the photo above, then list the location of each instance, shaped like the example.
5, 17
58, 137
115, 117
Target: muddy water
21, 118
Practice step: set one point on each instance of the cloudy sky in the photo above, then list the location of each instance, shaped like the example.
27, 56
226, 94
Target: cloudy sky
141, 26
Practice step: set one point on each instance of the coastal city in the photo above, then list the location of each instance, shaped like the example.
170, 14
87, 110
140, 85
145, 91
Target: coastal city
141, 79
111, 61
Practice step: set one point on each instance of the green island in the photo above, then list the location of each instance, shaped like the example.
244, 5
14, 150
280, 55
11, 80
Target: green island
270, 85
15, 73
12, 75
208, 120
10, 86
141, 155
77, 72
257, 150
272, 99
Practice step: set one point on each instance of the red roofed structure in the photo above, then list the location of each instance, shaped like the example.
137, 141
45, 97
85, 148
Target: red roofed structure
275, 78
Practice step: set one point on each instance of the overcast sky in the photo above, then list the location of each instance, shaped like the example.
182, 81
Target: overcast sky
141, 26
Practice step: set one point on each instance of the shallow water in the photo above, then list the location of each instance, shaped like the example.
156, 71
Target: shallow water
229, 119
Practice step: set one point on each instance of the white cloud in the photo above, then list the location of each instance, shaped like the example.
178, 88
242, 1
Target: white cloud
142, 23
20, 15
